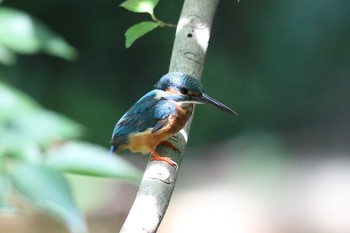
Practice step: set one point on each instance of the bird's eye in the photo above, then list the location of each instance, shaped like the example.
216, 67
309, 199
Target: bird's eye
184, 91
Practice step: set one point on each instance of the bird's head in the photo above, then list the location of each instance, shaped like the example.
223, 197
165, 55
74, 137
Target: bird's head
186, 89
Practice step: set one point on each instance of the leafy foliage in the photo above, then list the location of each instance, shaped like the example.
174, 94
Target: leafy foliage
21, 33
35, 147
88, 159
49, 191
140, 6
33, 156
138, 30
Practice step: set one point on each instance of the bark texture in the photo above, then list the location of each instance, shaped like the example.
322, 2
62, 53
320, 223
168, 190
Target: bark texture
158, 182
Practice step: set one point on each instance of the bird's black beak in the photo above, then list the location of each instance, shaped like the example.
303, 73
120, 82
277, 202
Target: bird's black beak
206, 99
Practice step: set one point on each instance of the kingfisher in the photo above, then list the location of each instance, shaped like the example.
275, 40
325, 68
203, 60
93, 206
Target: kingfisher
160, 114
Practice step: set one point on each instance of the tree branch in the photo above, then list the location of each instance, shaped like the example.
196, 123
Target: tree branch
188, 55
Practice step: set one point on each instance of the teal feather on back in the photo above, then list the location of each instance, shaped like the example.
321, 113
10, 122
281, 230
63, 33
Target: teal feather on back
147, 113
167, 107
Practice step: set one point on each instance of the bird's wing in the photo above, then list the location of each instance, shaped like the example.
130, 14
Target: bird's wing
150, 112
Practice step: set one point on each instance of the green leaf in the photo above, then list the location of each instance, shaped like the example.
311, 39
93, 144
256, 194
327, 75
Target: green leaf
5, 206
14, 102
21, 33
140, 6
24, 151
138, 30
25, 127
89, 159
45, 127
48, 190
3, 191
7, 57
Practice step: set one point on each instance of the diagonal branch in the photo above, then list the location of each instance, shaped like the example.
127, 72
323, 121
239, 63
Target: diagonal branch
188, 55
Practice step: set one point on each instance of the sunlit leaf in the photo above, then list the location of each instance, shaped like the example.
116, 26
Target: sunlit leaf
25, 127
23, 34
17, 147
138, 30
89, 159
47, 190
3, 189
44, 127
7, 57
5, 206
13, 102
140, 6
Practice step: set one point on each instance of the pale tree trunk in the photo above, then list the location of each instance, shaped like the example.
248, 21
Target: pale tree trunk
188, 55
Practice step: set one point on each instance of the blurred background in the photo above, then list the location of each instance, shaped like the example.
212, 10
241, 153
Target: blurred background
282, 165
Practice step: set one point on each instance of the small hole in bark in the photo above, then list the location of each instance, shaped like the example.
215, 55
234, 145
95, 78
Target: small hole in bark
189, 35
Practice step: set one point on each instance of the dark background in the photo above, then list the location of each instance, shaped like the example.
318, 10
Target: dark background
283, 65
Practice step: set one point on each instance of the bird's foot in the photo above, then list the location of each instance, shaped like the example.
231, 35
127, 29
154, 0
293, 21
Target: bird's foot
157, 157
168, 144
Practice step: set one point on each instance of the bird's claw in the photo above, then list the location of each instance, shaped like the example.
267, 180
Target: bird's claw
157, 157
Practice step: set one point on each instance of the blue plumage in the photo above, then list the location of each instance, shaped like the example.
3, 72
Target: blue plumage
160, 114
149, 112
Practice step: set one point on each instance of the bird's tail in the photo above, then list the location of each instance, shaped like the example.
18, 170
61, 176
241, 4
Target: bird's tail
112, 150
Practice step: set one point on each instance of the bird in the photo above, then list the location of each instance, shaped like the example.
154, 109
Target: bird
159, 114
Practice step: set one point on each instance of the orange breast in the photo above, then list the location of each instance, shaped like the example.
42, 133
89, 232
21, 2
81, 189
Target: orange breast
145, 141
